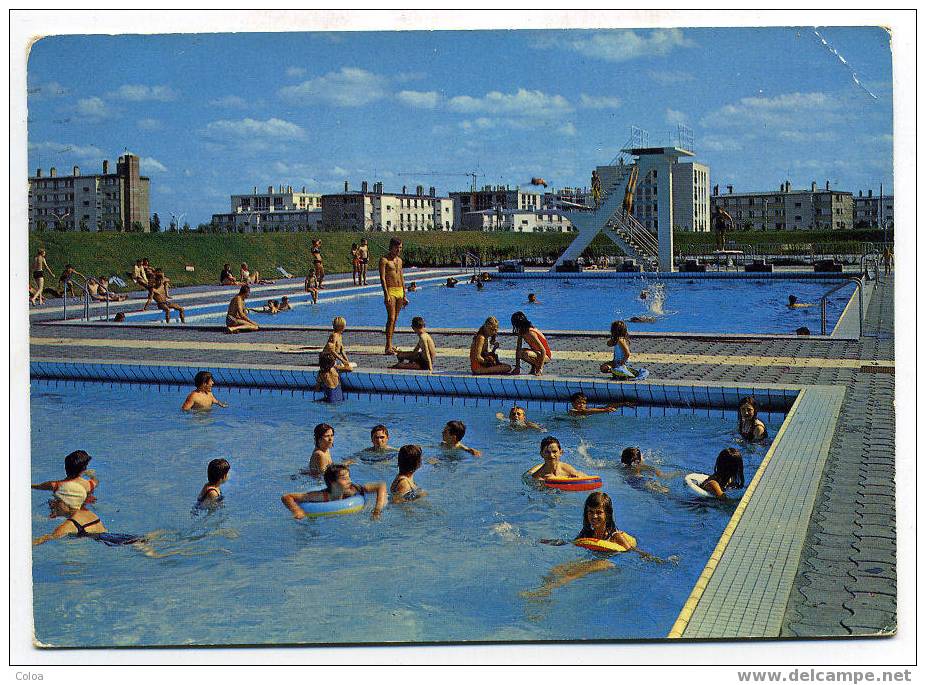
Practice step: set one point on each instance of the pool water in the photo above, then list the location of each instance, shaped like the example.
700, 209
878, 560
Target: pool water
678, 305
449, 567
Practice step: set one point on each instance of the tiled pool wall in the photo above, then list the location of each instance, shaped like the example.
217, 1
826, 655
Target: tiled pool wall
687, 275
778, 398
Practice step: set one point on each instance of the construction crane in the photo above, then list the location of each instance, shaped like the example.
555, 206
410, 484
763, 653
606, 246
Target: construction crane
472, 174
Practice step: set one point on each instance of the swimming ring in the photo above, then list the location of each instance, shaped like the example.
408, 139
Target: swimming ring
694, 480
597, 545
568, 484
625, 373
348, 505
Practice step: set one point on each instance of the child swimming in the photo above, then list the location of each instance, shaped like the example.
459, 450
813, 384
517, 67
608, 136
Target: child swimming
335, 345
217, 473
422, 355
338, 485
328, 381
580, 406
74, 490
551, 451
321, 455
749, 425
379, 449
794, 304
285, 306
202, 398
518, 419
728, 473
403, 487
452, 435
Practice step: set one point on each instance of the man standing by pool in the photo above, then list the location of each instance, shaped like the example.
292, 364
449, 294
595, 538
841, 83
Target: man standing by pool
393, 282
237, 320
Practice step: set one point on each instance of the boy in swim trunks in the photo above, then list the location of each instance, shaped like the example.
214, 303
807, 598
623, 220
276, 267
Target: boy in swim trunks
422, 356
393, 282
452, 435
363, 252
551, 451
338, 485
202, 398
161, 298
237, 319
580, 406
518, 419
75, 489
39, 267
335, 345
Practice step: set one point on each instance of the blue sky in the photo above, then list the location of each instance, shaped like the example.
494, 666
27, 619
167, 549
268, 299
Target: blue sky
215, 114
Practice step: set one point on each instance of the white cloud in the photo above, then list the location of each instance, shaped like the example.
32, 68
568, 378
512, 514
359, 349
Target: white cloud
523, 103
421, 99
482, 123
712, 143
349, 87
295, 71
599, 102
149, 124
230, 101
150, 165
620, 46
339, 171
66, 151
406, 76
141, 93
52, 89
567, 129
807, 137
93, 108
669, 78
675, 117
253, 128
794, 111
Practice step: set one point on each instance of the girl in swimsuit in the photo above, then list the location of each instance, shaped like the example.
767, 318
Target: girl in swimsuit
539, 351
620, 341
482, 360
355, 263
728, 473
211, 494
39, 266
338, 485
750, 427
83, 523
319, 272
403, 487
328, 380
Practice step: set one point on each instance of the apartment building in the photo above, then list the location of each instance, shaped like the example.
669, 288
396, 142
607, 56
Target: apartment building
511, 220
788, 209
283, 210
377, 210
498, 197
873, 211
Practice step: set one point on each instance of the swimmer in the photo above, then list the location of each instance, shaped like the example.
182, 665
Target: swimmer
728, 473
452, 435
518, 419
119, 317
412, 287
338, 485
379, 437
328, 381
285, 306
551, 451
270, 308
803, 330
643, 319
580, 406
75, 489
422, 355
749, 425
632, 460
794, 304
321, 455
532, 299
335, 345
644, 294
217, 472
451, 282
480, 285
403, 487
202, 398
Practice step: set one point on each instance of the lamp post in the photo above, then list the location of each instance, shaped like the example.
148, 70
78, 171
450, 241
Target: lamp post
175, 219
60, 217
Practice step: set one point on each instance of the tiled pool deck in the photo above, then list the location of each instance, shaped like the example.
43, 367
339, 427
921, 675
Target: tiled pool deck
813, 553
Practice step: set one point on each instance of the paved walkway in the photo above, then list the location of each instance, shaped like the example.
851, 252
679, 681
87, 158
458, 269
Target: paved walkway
846, 580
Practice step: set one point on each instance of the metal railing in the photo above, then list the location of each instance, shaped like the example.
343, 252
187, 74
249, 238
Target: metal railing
857, 282
872, 258
476, 260
84, 298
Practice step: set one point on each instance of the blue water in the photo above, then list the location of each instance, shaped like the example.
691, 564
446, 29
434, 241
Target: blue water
696, 305
448, 567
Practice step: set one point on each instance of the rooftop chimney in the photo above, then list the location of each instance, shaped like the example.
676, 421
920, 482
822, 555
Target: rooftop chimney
52, 172
346, 187
729, 190
869, 192
38, 174
364, 187
419, 190
787, 186
433, 191
781, 188
378, 187
105, 166
303, 189
813, 186
716, 190
827, 185
269, 190
255, 190
404, 190
76, 171
281, 189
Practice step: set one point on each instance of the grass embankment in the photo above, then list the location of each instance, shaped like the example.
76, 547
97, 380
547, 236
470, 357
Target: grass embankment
115, 253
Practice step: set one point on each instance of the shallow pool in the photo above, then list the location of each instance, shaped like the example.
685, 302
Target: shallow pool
678, 305
449, 567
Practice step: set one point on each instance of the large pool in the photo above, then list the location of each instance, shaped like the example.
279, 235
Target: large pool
450, 567
681, 305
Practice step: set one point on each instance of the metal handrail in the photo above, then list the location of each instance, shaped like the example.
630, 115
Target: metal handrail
861, 307
874, 257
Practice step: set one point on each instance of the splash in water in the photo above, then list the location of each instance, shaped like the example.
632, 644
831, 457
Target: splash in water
656, 298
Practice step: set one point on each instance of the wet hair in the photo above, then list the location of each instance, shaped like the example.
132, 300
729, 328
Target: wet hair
547, 441
409, 458
457, 429
576, 396
320, 430
750, 401
520, 322
417, 322
338, 321
728, 469
598, 499
119, 318
217, 470
631, 455
394, 243
331, 474
326, 361
803, 330
515, 408
618, 329
76, 463
792, 299
531, 297
201, 378
285, 298
379, 427
245, 290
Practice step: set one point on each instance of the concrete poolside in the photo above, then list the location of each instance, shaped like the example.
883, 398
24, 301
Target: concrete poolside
846, 579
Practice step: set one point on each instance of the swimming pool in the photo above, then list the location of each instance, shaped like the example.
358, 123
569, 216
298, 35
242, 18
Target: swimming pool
695, 305
448, 568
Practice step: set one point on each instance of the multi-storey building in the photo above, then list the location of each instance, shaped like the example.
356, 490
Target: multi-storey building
501, 197
568, 196
283, 210
874, 211
364, 210
517, 221
787, 209
691, 182
94, 202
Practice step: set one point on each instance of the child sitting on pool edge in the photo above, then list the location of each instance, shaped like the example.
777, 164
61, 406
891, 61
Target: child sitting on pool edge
620, 341
202, 398
74, 490
328, 380
422, 356
403, 487
335, 345
338, 485
452, 435
552, 467
217, 473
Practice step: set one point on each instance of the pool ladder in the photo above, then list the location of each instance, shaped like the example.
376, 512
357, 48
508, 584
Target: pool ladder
857, 282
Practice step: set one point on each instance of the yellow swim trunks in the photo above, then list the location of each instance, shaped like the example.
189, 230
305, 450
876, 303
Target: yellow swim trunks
396, 293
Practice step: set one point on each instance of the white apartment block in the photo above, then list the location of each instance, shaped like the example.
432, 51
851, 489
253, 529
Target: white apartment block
283, 210
874, 211
515, 221
364, 210
788, 209
499, 197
